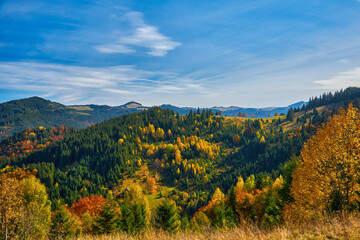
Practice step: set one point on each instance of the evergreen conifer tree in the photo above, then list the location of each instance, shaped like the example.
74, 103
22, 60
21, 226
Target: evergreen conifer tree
133, 217
63, 225
108, 219
167, 216
291, 115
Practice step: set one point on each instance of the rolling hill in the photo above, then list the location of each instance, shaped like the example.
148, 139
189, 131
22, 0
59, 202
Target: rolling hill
18, 115
32, 112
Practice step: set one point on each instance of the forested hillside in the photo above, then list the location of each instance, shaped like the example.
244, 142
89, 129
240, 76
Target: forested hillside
23, 143
23, 114
32, 112
341, 98
194, 153
170, 171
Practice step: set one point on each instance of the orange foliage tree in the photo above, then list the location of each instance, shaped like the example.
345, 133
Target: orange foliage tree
327, 176
87, 210
249, 202
91, 204
150, 185
10, 207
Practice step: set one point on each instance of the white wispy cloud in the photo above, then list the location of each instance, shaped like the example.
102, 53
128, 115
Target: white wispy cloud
112, 85
342, 80
142, 35
114, 48
149, 37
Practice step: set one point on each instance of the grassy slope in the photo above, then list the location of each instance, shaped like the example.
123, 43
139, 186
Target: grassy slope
345, 228
139, 179
154, 199
287, 126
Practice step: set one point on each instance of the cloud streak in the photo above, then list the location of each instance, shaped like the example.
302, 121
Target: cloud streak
82, 85
143, 36
115, 48
342, 80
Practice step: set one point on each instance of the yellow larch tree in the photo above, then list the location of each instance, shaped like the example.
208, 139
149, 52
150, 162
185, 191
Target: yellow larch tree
169, 133
240, 183
178, 156
218, 195
150, 185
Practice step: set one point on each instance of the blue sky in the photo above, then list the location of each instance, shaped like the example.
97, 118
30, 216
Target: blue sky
187, 53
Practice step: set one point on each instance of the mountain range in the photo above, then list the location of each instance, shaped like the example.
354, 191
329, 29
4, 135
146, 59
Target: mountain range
31, 112
235, 110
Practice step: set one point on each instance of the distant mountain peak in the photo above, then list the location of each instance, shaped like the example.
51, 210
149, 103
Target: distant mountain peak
132, 104
35, 101
37, 97
34, 98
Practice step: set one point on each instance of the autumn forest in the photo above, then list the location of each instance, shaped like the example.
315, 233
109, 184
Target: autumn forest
155, 171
